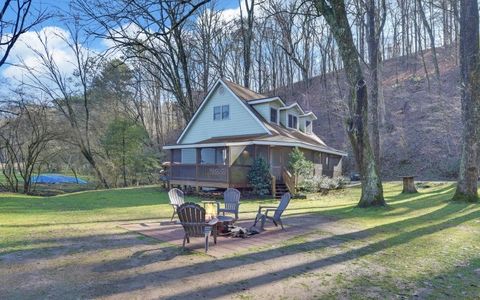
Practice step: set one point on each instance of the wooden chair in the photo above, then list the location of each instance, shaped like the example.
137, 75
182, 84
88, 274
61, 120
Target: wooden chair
176, 199
192, 218
231, 199
278, 211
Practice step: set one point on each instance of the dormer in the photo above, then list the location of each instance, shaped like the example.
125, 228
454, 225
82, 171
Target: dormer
306, 122
268, 108
290, 116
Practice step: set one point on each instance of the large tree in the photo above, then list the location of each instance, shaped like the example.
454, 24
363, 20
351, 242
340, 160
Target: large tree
335, 14
470, 88
151, 31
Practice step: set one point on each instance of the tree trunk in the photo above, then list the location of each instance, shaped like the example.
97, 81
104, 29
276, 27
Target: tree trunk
428, 28
357, 123
373, 57
247, 34
469, 65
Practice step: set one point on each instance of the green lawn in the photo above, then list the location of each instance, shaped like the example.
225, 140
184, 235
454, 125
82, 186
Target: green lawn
421, 245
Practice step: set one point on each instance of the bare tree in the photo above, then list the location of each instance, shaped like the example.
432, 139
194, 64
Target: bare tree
70, 94
152, 31
376, 18
24, 138
247, 24
335, 14
470, 84
428, 28
16, 18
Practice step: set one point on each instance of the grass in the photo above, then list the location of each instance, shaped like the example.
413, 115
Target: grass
421, 243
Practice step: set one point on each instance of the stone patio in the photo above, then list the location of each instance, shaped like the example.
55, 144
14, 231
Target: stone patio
172, 233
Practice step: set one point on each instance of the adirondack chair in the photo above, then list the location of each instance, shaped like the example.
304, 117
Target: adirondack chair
231, 198
176, 199
192, 218
277, 212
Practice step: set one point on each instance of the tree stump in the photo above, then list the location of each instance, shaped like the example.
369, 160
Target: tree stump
409, 185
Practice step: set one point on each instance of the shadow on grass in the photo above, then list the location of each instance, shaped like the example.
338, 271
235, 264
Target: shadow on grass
400, 232
403, 232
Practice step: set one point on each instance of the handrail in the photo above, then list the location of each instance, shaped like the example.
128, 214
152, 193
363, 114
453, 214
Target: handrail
289, 180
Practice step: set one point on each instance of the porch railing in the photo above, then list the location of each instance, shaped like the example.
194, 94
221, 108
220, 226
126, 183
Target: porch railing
209, 173
184, 172
289, 181
214, 173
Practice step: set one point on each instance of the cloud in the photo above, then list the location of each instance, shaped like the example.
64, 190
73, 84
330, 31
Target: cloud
23, 52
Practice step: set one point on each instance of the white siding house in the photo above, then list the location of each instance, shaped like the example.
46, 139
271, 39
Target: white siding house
235, 126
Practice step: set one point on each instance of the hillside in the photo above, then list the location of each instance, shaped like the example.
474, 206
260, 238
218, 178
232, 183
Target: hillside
421, 132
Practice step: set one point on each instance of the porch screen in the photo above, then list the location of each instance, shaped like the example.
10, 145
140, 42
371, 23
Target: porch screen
189, 156
262, 152
213, 156
242, 155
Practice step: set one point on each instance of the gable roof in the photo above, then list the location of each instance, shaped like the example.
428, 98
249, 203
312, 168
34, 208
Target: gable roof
274, 133
241, 100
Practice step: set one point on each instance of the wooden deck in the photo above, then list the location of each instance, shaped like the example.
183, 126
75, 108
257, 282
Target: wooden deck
226, 246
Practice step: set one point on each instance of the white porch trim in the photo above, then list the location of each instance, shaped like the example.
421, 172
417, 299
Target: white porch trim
271, 143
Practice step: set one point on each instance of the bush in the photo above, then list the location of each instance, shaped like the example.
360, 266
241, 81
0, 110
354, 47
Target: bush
323, 183
309, 185
259, 177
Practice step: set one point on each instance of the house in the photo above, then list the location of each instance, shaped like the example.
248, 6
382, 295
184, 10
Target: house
232, 127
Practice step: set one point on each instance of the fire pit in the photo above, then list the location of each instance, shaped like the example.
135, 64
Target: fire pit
223, 225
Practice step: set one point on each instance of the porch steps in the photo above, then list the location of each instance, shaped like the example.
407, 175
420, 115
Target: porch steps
280, 189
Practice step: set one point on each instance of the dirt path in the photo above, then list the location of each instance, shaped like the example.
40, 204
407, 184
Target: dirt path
117, 264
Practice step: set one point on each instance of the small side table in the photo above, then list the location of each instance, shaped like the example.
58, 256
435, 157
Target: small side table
409, 185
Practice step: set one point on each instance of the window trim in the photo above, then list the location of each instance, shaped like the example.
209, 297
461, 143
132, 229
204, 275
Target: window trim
308, 127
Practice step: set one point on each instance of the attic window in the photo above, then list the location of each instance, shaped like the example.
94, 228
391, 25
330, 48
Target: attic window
273, 115
292, 121
221, 112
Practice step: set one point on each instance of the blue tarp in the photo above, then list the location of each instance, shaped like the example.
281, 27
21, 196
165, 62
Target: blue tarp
56, 178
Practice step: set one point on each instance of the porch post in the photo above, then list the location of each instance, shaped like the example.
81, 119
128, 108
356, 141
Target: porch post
197, 162
228, 164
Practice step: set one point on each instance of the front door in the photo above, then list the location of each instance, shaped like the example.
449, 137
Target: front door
278, 160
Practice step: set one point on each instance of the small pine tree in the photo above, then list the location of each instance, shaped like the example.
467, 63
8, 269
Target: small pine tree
259, 177
299, 165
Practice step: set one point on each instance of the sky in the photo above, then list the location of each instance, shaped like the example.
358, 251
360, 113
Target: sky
55, 31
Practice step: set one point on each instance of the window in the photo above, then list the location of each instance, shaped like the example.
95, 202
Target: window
308, 126
221, 156
292, 121
221, 112
225, 112
217, 113
273, 115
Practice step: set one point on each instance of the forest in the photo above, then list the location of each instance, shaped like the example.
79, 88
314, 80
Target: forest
109, 113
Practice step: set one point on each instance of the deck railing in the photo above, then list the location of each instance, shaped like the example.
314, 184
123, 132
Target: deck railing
184, 172
214, 173
208, 173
